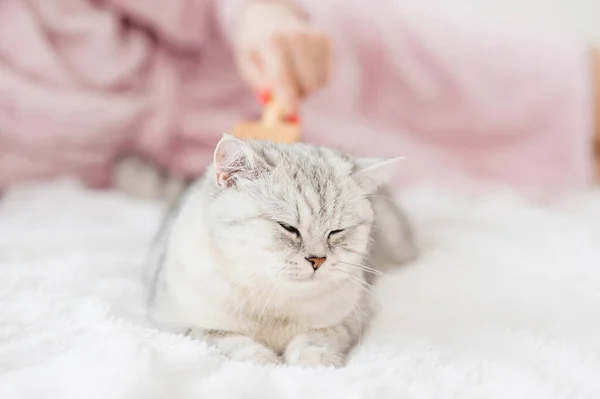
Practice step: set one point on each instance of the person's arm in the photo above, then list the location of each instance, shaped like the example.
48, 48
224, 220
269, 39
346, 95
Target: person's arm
181, 24
67, 90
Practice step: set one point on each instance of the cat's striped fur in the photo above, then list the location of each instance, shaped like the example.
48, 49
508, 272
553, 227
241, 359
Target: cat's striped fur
231, 264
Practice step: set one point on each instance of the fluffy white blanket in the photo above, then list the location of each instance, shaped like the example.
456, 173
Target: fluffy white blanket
503, 303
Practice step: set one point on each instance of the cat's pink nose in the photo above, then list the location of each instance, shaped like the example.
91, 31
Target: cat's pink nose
316, 262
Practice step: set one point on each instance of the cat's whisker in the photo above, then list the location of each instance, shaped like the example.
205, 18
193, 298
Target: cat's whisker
354, 308
255, 290
379, 274
257, 300
380, 196
263, 309
363, 284
248, 280
364, 268
349, 249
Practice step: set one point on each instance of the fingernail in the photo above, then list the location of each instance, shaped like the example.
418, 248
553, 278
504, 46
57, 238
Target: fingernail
293, 119
264, 96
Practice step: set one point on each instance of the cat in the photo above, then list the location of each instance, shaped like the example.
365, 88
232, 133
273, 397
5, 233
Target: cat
270, 255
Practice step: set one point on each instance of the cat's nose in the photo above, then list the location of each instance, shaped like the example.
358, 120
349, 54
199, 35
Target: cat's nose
316, 262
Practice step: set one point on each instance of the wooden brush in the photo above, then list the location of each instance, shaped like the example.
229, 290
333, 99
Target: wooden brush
273, 126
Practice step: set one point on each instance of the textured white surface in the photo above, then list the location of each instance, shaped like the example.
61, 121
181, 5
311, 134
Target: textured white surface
504, 303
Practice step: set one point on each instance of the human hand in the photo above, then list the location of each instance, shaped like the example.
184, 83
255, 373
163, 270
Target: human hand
280, 51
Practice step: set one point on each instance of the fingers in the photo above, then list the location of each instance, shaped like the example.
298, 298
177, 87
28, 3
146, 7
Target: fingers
302, 60
269, 68
280, 74
292, 65
309, 54
323, 53
252, 70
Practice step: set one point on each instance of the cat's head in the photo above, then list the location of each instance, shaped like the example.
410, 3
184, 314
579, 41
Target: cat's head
293, 213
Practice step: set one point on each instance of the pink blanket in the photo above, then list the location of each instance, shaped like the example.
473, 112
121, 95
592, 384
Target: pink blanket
83, 82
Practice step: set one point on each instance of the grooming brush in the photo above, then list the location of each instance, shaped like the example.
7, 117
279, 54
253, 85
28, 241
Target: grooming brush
272, 126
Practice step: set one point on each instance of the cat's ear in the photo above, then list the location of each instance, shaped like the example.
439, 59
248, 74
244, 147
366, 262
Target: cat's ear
235, 159
371, 173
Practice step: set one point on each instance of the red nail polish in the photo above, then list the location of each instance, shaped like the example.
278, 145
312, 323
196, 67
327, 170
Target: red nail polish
293, 119
264, 96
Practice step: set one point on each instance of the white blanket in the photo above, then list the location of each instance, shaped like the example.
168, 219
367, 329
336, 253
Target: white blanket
504, 302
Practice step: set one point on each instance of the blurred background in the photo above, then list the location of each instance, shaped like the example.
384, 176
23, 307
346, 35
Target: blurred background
104, 79
581, 17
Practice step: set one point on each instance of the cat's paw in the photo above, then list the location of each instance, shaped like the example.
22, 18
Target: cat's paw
311, 355
141, 178
255, 353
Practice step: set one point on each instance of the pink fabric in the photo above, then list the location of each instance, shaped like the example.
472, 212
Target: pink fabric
84, 81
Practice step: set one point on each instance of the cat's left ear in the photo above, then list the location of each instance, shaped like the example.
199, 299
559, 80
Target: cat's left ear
372, 173
234, 159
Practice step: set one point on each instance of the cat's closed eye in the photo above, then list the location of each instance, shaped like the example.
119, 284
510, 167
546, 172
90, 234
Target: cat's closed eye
289, 228
334, 232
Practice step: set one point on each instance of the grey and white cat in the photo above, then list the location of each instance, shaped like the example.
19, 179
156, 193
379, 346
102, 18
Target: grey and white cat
268, 255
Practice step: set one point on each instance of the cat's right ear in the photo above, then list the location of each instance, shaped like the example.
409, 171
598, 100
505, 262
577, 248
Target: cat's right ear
374, 172
234, 159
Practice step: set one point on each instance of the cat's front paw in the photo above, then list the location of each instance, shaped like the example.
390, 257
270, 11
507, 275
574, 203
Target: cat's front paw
255, 353
311, 355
